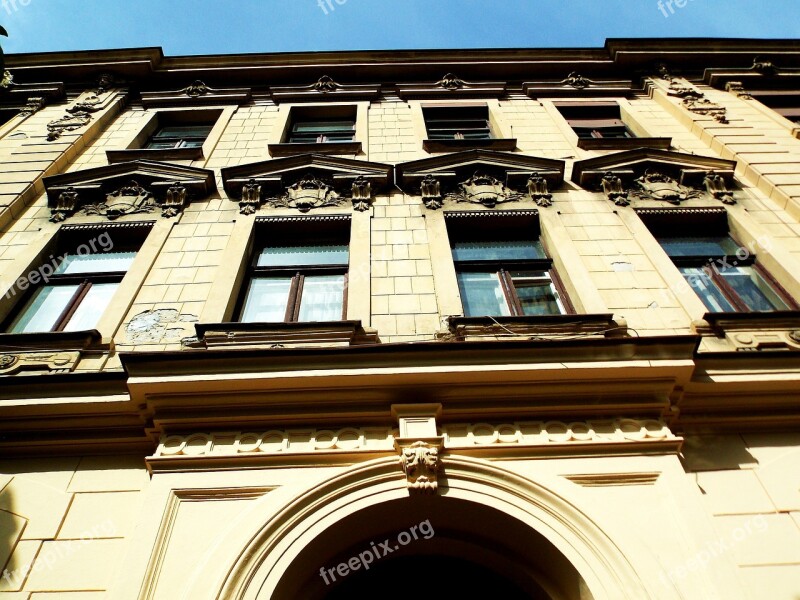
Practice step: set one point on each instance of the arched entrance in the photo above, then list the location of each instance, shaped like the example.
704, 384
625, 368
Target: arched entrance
519, 534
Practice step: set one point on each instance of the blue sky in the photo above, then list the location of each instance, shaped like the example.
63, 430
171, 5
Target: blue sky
184, 27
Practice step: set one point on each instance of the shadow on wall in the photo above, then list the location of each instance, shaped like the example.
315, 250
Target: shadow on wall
11, 527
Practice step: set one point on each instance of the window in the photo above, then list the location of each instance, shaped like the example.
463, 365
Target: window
457, 122
322, 131
502, 268
724, 274
170, 137
78, 283
298, 277
595, 120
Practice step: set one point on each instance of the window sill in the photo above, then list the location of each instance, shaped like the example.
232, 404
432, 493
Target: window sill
321, 148
52, 340
118, 156
625, 143
749, 334
458, 145
533, 328
282, 335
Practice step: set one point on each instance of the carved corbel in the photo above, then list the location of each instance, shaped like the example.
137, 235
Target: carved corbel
421, 464
175, 200
104, 83
196, 89
361, 194
251, 198
431, 192
66, 205
614, 189
716, 186
577, 81
737, 89
765, 67
537, 188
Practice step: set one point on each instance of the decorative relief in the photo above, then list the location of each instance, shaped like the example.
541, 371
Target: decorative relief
556, 432
765, 67
451, 82
55, 362
160, 326
104, 83
695, 101
128, 200
577, 81
431, 191
420, 462
33, 106
196, 89
361, 194
716, 186
614, 189
65, 206
737, 89
251, 198
755, 340
484, 189
657, 186
325, 85
537, 188
80, 115
310, 192
278, 442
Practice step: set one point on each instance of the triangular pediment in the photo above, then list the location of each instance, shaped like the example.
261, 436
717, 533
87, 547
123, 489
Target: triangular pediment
450, 169
275, 175
126, 188
93, 183
689, 169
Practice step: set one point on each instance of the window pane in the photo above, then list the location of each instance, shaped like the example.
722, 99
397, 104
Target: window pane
482, 294
318, 127
298, 256
536, 293
752, 289
43, 310
92, 306
520, 250
699, 246
322, 298
707, 290
183, 131
266, 300
107, 262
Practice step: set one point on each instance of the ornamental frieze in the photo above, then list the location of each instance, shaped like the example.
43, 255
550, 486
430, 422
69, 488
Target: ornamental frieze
54, 362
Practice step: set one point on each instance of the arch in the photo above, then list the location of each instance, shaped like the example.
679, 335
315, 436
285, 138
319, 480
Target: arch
259, 567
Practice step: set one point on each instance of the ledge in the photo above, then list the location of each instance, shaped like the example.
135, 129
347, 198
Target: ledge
282, 335
533, 328
322, 148
749, 335
54, 340
659, 143
460, 145
118, 156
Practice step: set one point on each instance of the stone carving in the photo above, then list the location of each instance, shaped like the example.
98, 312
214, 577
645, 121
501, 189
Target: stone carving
696, 102
279, 442
486, 190
127, 200
614, 189
175, 200
716, 186
795, 336
431, 191
251, 197
196, 89
765, 67
55, 362
657, 186
577, 81
56, 128
420, 462
90, 104
737, 89
361, 194
65, 206
663, 71
537, 188
104, 83
310, 192
160, 326
325, 85
33, 106
451, 82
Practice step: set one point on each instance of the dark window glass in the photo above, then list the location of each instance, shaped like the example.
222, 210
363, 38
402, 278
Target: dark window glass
179, 136
457, 123
322, 131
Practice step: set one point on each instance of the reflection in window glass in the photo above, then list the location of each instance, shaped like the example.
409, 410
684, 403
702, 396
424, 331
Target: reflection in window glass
300, 256
43, 310
515, 250
482, 294
706, 289
752, 290
107, 262
322, 298
91, 307
536, 293
266, 300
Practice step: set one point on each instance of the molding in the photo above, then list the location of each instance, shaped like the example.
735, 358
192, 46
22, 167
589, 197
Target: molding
613, 479
507, 144
280, 335
127, 188
577, 86
547, 327
291, 149
196, 94
119, 156
451, 86
761, 332
659, 143
325, 88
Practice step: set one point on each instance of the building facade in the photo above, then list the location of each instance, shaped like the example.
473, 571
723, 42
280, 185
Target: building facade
519, 323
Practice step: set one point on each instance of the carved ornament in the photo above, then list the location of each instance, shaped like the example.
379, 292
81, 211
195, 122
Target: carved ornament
66, 205
716, 186
175, 200
765, 67
361, 193
55, 362
614, 190
420, 462
33, 106
128, 200
310, 192
325, 85
196, 89
737, 89
451, 82
251, 198
431, 191
654, 185
537, 188
577, 81
486, 190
